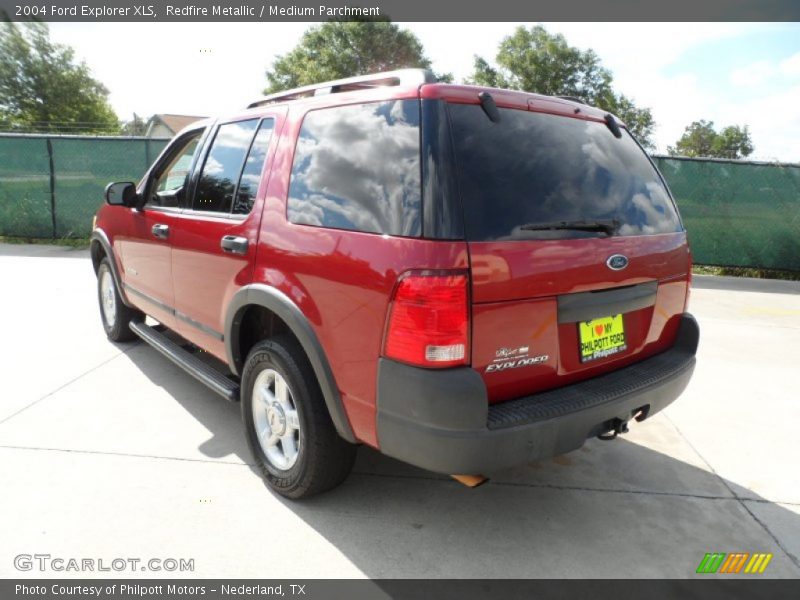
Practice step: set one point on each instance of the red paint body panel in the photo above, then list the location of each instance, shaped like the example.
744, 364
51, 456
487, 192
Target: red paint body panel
205, 278
526, 269
144, 261
515, 290
467, 94
342, 281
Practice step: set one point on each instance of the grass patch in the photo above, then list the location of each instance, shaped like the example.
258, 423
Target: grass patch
77, 243
746, 272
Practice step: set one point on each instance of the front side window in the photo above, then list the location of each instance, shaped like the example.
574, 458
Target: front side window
223, 166
169, 184
358, 168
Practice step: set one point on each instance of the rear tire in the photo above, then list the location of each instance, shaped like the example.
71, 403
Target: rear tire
114, 313
287, 425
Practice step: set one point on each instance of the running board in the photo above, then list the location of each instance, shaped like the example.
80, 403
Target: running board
191, 364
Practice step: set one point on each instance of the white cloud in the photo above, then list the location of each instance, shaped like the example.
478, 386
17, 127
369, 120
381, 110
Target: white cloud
625, 48
754, 74
759, 72
159, 67
773, 121
675, 102
791, 66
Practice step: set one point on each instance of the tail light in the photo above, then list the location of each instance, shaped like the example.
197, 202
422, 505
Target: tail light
429, 320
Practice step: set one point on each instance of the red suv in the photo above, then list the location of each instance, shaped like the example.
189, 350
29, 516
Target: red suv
464, 278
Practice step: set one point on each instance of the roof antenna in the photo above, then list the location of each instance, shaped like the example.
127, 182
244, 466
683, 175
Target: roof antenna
489, 107
611, 123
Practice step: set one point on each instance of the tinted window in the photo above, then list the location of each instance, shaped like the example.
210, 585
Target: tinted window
253, 166
223, 166
357, 167
534, 168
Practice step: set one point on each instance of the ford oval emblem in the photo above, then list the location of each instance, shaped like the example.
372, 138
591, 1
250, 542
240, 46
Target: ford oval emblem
617, 262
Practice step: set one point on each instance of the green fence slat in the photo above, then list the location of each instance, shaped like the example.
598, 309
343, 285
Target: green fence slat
738, 213
83, 166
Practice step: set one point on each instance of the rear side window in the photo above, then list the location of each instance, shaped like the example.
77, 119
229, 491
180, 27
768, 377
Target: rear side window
253, 166
533, 168
358, 168
223, 166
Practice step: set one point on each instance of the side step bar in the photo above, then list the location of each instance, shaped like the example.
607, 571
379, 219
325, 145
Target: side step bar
191, 364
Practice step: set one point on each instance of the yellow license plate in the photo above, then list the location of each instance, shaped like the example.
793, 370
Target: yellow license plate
601, 337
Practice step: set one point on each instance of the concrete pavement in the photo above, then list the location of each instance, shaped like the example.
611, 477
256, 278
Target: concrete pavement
110, 451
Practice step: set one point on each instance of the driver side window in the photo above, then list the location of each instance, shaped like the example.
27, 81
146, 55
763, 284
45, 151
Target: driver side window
168, 186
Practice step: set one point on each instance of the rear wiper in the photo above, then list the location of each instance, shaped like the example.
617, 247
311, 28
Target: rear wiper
609, 226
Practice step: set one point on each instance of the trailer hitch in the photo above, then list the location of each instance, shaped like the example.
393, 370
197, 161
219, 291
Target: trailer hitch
617, 426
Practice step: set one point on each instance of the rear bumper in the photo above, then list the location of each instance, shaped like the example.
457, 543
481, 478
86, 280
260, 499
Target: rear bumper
441, 420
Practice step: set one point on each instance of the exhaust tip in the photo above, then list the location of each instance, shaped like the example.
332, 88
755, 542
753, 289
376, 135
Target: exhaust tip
471, 481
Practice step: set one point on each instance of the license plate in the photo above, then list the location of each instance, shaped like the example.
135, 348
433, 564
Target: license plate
601, 337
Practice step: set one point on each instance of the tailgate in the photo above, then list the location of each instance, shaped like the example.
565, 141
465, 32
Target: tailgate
578, 257
529, 300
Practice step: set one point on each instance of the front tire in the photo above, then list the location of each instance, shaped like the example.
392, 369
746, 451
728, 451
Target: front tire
287, 425
115, 314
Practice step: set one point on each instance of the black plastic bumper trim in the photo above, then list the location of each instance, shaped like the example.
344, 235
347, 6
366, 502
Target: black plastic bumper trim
585, 306
446, 432
628, 381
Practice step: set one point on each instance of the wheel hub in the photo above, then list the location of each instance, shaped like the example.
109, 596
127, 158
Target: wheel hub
276, 419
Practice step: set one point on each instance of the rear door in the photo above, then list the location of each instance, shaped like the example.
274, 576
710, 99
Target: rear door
579, 259
214, 241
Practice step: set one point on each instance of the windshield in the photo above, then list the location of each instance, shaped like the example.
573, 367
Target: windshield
533, 169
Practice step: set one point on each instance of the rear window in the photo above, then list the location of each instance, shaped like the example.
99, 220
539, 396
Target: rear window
357, 167
533, 168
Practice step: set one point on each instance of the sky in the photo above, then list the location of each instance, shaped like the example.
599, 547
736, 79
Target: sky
728, 73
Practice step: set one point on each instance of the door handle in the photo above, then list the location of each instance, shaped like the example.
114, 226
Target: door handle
160, 231
234, 244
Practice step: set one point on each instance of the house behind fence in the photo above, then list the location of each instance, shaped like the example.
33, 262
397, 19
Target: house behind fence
737, 213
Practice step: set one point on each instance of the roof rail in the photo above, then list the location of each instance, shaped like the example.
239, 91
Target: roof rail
361, 82
572, 99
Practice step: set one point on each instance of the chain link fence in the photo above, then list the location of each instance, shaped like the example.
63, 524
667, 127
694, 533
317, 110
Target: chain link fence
737, 213
51, 185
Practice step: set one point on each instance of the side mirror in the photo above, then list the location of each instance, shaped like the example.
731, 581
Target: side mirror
121, 193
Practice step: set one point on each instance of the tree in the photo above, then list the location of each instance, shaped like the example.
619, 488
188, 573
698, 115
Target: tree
136, 126
338, 49
733, 142
535, 60
43, 87
700, 139
697, 140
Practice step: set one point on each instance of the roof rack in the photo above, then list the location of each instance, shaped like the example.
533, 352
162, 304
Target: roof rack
572, 99
362, 82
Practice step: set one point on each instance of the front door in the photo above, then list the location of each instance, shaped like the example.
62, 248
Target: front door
214, 239
146, 249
